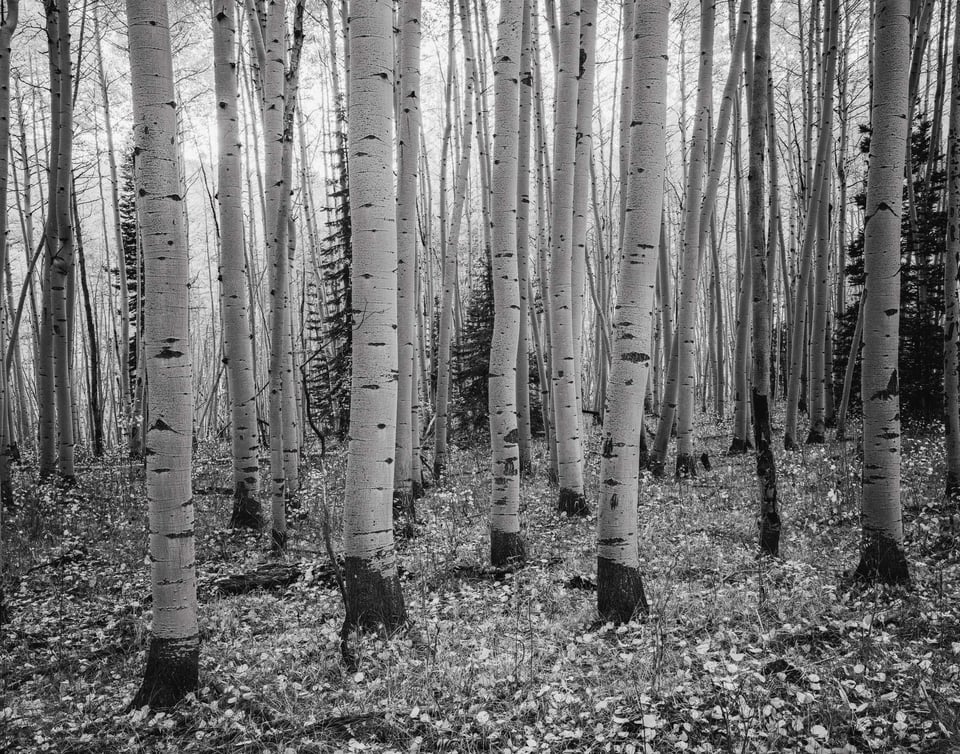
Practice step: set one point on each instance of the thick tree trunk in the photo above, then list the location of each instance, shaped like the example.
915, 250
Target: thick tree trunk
237, 344
619, 585
882, 554
506, 544
172, 660
372, 586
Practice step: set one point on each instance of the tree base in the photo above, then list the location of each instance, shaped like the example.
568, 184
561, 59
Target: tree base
657, 467
439, 465
789, 443
770, 539
374, 599
882, 560
817, 434
278, 542
173, 671
686, 465
951, 495
620, 594
573, 503
506, 548
247, 513
418, 488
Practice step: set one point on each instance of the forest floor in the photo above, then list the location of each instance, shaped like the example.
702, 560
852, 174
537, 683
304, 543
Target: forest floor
737, 654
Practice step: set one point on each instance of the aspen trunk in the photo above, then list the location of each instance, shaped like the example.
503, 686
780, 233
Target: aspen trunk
172, 660
506, 544
408, 157
566, 408
951, 269
372, 587
769, 515
882, 554
619, 585
237, 346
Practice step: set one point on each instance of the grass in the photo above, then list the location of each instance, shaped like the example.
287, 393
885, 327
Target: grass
737, 655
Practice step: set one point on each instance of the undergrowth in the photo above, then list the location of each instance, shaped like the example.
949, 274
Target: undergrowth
737, 654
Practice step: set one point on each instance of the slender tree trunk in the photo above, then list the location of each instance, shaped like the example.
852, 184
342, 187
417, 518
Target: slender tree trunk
373, 592
237, 344
523, 237
408, 157
769, 517
882, 554
172, 660
619, 585
566, 407
848, 373
506, 544
7, 29
951, 270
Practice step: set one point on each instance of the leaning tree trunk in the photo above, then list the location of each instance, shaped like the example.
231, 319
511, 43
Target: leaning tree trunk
506, 544
566, 408
769, 517
7, 28
237, 346
690, 267
951, 269
619, 585
372, 586
172, 660
882, 554
408, 154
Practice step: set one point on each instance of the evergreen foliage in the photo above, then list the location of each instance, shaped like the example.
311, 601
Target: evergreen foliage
921, 285
472, 357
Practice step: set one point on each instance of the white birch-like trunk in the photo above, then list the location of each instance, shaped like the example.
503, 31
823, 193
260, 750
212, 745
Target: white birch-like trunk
619, 586
951, 270
882, 554
237, 344
566, 408
505, 542
373, 588
172, 660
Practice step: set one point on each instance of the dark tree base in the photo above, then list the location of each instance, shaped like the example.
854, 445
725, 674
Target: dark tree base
417, 489
951, 495
173, 669
789, 443
686, 465
882, 560
573, 503
439, 465
620, 594
657, 467
6, 494
841, 434
770, 539
373, 599
278, 541
643, 451
506, 549
246, 510
817, 434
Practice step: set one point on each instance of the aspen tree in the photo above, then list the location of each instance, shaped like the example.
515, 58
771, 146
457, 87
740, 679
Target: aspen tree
373, 588
566, 407
619, 585
769, 518
523, 236
690, 267
505, 542
819, 196
237, 346
882, 554
172, 659
450, 249
408, 154
7, 28
951, 269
